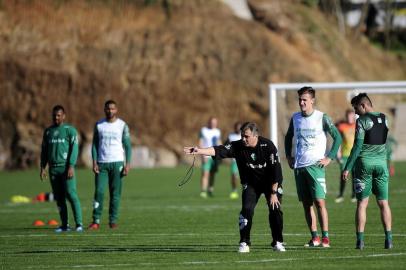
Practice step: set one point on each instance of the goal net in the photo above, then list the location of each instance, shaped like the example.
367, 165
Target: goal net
280, 93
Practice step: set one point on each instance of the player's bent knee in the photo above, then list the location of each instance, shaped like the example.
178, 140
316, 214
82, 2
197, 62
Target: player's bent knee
242, 221
320, 203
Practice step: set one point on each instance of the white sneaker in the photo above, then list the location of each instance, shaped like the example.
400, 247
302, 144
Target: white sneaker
243, 248
62, 229
339, 199
279, 247
79, 228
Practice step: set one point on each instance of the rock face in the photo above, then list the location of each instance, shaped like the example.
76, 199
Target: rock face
168, 71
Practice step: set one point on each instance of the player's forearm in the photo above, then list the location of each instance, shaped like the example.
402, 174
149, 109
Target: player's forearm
44, 161
95, 144
356, 149
336, 143
44, 157
275, 186
74, 154
204, 151
288, 140
275, 173
288, 145
127, 149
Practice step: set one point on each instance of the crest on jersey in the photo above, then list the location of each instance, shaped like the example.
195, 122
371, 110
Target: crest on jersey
228, 146
253, 156
359, 186
56, 133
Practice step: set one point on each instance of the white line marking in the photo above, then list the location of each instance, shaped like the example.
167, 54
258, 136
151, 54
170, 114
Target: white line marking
95, 234
220, 262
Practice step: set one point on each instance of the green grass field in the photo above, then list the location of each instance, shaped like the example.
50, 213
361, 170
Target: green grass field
164, 226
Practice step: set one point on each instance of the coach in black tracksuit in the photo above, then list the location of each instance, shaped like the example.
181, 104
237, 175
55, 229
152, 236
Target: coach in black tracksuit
260, 173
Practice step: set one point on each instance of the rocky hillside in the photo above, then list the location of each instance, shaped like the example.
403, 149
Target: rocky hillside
168, 71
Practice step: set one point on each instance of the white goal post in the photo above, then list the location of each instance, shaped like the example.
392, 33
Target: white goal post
375, 87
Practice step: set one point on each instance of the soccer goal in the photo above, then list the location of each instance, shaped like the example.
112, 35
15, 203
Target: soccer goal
352, 88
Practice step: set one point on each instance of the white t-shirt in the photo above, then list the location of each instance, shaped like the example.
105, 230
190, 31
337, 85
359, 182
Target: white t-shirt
232, 137
310, 138
110, 135
209, 136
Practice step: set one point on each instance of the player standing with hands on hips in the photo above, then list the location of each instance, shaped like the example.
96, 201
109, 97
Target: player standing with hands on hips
59, 151
111, 153
309, 127
260, 172
368, 158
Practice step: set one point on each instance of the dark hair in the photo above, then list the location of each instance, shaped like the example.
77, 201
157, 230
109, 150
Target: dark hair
307, 90
58, 108
361, 98
237, 125
251, 126
109, 102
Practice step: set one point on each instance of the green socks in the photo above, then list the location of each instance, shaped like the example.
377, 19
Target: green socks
323, 234
388, 235
360, 236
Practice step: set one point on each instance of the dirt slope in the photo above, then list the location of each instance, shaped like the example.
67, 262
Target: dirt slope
168, 75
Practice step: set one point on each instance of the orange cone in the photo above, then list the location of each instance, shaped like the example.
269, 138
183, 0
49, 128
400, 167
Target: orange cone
52, 222
38, 223
40, 197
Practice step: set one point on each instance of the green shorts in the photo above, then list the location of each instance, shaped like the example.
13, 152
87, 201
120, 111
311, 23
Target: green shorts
371, 178
310, 183
234, 167
209, 164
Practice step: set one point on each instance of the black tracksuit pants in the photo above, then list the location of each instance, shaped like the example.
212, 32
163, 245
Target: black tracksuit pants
250, 197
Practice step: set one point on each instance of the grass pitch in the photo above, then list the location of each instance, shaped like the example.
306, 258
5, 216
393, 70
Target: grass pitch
162, 226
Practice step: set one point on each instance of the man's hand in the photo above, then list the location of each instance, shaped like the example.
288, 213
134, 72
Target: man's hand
344, 175
71, 172
126, 169
291, 162
191, 150
95, 167
43, 174
274, 201
324, 162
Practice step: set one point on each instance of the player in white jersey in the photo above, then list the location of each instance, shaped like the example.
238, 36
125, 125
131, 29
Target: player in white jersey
232, 137
309, 128
111, 153
209, 136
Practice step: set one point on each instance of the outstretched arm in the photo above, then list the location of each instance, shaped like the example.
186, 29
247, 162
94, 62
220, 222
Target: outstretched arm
194, 150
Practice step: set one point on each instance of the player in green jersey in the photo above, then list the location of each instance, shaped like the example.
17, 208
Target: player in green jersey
59, 152
368, 158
